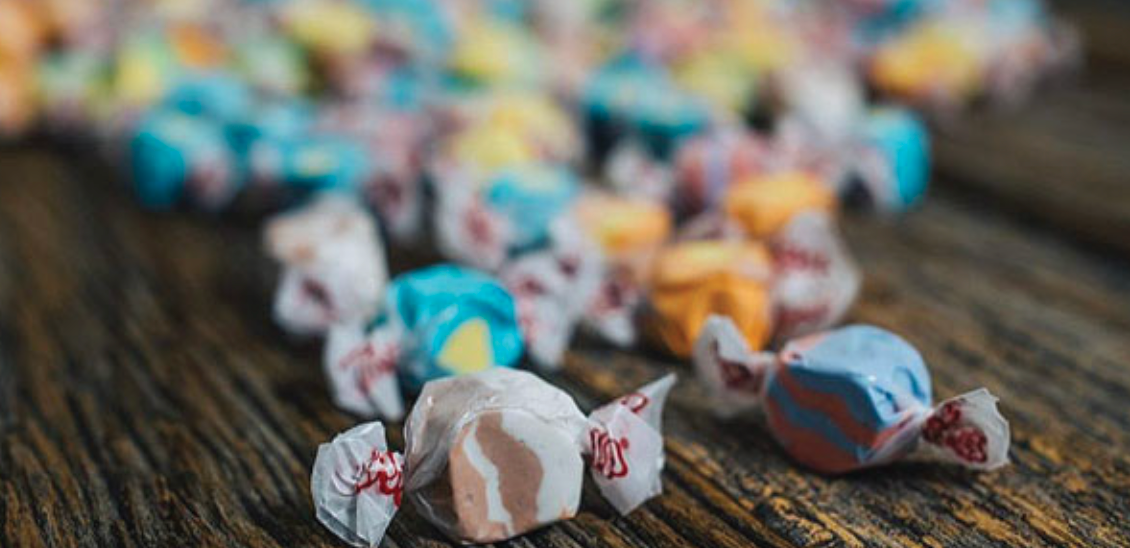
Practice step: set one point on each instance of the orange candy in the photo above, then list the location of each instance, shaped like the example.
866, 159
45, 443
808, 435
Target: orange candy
692, 280
22, 32
627, 230
764, 205
16, 98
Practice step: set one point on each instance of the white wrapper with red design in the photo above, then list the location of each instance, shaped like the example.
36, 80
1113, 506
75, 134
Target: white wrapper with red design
333, 265
551, 288
466, 230
847, 399
361, 368
490, 456
815, 279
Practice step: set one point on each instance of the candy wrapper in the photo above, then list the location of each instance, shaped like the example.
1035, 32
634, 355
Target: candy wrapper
333, 265
815, 279
849, 399
627, 231
439, 321
553, 289
491, 456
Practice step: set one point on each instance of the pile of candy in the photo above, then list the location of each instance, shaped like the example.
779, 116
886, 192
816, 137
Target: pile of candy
632, 168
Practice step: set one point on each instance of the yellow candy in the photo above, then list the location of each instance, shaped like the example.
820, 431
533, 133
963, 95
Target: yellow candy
332, 27
935, 58
491, 53
718, 76
143, 74
492, 147
691, 281
764, 205
539, 119
623, 226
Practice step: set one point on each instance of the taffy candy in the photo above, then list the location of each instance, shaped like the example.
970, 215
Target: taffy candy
815, 279
893, 159
848, 399
708, 164
333, 262
763, 205
690, 281
628, 232
174, 155
436, 322
483, 223
455, 321
491, 456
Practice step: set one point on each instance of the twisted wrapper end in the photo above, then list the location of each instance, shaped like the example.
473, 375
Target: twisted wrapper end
625, 446
732, 373
967, 430
357, 484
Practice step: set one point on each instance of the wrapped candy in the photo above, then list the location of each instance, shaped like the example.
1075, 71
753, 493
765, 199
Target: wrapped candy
454, 321
849, 399
763, 205
173, 154
815, 279
333, 265
491, 456
512, 210
628, 232
893, 159
708, 164
691, 281
437, 322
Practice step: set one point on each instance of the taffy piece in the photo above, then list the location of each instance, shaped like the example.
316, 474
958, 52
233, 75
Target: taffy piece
333, 265
691, 281
848, 399
491, 456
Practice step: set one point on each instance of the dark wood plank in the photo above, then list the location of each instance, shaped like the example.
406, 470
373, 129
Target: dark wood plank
1062, 161
147, 400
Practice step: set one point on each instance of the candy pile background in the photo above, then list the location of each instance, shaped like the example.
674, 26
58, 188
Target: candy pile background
628, 169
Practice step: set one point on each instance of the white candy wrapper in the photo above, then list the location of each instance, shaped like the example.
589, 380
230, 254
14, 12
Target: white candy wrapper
848, 399
551, 288
362, 370
815, 280
490, 456
634, 172
612, 309
333, 265
467, 231
357, 484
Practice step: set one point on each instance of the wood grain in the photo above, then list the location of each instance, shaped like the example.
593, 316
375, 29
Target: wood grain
146, 399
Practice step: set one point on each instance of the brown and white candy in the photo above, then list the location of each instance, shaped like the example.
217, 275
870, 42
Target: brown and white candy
493, 455
333, 265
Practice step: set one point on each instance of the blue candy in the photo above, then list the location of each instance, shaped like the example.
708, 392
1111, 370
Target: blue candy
902, 140
848, 398
455, 320
217, 96
171, 149
531, 197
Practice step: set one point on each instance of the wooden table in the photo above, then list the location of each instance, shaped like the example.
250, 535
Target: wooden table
146, 398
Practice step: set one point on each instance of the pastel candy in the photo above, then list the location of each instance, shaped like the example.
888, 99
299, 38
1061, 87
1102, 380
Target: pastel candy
847, 399
494, 455
627, 230
763, 205
531, 197
313, 162
691, 281
456, 321
173, 154
899, 168
216, 96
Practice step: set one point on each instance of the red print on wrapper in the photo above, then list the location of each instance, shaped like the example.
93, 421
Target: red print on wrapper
608, 454
381, 471
371, 363
635, 401
943, 428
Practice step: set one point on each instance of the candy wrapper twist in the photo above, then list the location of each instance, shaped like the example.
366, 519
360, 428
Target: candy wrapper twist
848, 399
490, 456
